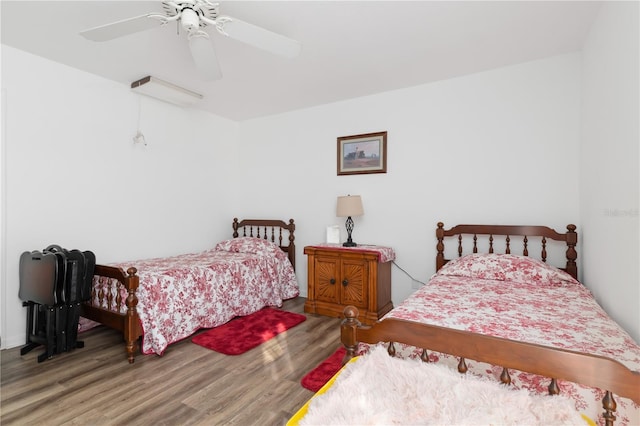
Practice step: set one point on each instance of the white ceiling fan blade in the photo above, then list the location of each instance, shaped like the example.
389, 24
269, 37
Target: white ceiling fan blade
121, 28
204, 55
258, 37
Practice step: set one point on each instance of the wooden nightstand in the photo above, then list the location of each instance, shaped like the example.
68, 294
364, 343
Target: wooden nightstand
339, 276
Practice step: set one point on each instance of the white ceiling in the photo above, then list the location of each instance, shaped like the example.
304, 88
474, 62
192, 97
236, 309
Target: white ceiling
349, 48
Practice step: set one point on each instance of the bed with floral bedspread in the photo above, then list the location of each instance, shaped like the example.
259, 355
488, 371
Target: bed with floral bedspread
523, 300
164, 300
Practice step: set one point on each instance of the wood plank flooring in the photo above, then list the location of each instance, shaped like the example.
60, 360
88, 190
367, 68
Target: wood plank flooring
188, 385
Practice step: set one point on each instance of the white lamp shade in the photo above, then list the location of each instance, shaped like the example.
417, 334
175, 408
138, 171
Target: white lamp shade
349, 205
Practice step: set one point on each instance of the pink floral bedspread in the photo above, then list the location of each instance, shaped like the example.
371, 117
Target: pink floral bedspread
523, 299
181, 294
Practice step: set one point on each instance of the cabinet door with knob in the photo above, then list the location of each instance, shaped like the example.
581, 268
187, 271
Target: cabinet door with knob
353, 283
340, 281
340, 277
326, 271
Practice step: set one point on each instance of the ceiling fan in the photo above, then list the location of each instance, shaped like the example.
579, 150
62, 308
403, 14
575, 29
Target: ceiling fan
194, 16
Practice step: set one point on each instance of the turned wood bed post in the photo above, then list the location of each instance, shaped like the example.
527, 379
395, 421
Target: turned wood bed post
440, 246
235, 227
572, 255
292, 245
348, 332
609, 405
132, 326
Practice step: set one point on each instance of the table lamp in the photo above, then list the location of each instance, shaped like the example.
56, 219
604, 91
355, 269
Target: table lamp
349, 205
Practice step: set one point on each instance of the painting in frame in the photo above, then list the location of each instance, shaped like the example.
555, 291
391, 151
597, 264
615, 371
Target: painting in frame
362, 154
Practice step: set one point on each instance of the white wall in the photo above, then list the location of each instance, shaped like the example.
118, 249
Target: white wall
75, 178
500, 146
609, 200
495, 147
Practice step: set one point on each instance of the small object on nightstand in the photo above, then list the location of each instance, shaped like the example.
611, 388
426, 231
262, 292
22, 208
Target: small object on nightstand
333, 234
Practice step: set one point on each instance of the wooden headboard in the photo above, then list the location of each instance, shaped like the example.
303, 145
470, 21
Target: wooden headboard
570, 238
271, 230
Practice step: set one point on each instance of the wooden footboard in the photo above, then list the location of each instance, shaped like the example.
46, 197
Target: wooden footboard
558, 364
104, 307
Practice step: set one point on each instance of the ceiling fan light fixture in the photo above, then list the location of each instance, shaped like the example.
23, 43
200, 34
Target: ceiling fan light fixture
190, 21
165, 91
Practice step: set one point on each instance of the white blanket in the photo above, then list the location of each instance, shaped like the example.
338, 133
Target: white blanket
381, 390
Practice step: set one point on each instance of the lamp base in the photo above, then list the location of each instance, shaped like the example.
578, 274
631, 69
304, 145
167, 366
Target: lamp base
349, 226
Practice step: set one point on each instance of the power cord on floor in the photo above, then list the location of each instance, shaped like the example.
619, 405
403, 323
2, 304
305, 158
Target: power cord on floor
408, 274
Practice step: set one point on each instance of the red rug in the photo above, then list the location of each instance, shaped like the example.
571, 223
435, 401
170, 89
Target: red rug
244, 333
324, 371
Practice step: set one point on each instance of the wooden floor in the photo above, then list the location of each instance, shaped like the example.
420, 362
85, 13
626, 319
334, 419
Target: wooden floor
188, 385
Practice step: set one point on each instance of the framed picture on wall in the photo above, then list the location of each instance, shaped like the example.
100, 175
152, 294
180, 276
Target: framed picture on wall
361, 154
